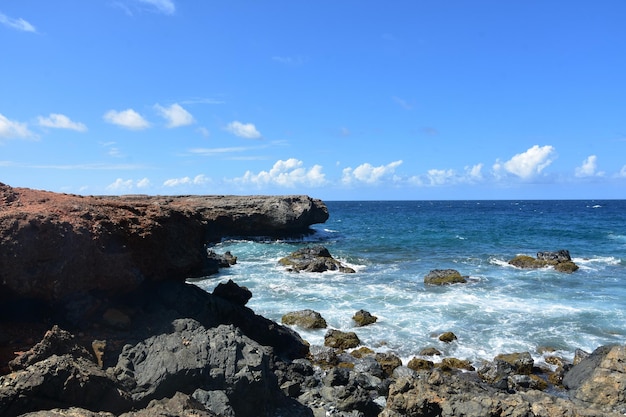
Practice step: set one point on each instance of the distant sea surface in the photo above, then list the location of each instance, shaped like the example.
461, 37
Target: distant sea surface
393, 244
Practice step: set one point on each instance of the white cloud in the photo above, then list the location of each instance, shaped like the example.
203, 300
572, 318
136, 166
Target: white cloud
366, 173
243, 130
441, 176
162, 6
217, 151
143, 183
10, 129
474, 173
622, 172
175, 115
589, 168
203, 131
527, 164
19, 24
61, 121
289, 173
120, 185
197, 180
128, 119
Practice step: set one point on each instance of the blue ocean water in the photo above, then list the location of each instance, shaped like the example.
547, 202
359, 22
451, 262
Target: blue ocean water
393, 244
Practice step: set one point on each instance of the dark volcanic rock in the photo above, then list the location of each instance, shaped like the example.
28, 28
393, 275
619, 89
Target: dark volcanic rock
233, 292
313, 259
193, 357
52, 245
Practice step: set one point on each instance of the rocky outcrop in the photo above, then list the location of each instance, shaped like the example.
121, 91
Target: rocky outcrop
313, 259
53, 245
444, 277
364, 318
559, 260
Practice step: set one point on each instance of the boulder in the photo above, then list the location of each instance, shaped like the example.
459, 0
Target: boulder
307, 319
364, 318
193, 357
341, 340
313, 259
600, 379
447, 337
233, 292
444, 277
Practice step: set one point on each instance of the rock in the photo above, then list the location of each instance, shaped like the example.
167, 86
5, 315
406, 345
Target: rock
341, 340
56, 341
444, 277
600, 379
180, 405
560, 260
193, 357
68, 412
216, 401
116, 318
521, 363
430, 393
504, 366
60, 382
447, 337
448, 364
53, 245
430, 351
388, 362
313, 259
307, 319
233, 293
418, 364
364, 318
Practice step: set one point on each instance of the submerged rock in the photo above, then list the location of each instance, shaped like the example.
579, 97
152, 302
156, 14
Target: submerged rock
444, 277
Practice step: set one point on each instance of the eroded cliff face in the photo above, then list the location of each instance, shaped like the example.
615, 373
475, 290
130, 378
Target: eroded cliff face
53, 245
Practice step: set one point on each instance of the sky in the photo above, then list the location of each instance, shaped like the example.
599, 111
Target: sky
340, 100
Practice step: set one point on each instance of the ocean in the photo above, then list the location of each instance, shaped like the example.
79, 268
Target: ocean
392, 245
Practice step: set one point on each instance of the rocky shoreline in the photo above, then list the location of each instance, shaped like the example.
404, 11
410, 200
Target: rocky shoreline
80, 335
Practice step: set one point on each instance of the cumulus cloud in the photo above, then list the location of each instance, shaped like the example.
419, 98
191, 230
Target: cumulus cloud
527, 164
10, 129
175, 115
128, 119
61, 121
589, 168
243, 130
200, 179
441, 176
162, 6
18, 24
289, 173
121, 185
368, 174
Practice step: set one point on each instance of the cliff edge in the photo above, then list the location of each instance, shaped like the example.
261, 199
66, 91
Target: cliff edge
53, 245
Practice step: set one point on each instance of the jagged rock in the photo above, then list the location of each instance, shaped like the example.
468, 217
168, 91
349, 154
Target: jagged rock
68, 412
57, 382
307, 319
560, 260
180, 405
418, 364
448, 364
193, 357
313, 259
431, 393
53, 245
444, 277
233, 292
55, 342
341, 340
364, 318
600, 379
388, 362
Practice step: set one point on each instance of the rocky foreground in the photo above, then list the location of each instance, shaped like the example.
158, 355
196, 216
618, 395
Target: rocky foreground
96, 319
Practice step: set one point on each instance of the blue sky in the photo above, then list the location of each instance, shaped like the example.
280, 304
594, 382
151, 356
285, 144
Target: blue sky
341, 100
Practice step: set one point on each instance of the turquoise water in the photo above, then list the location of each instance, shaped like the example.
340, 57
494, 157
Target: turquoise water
393, 245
